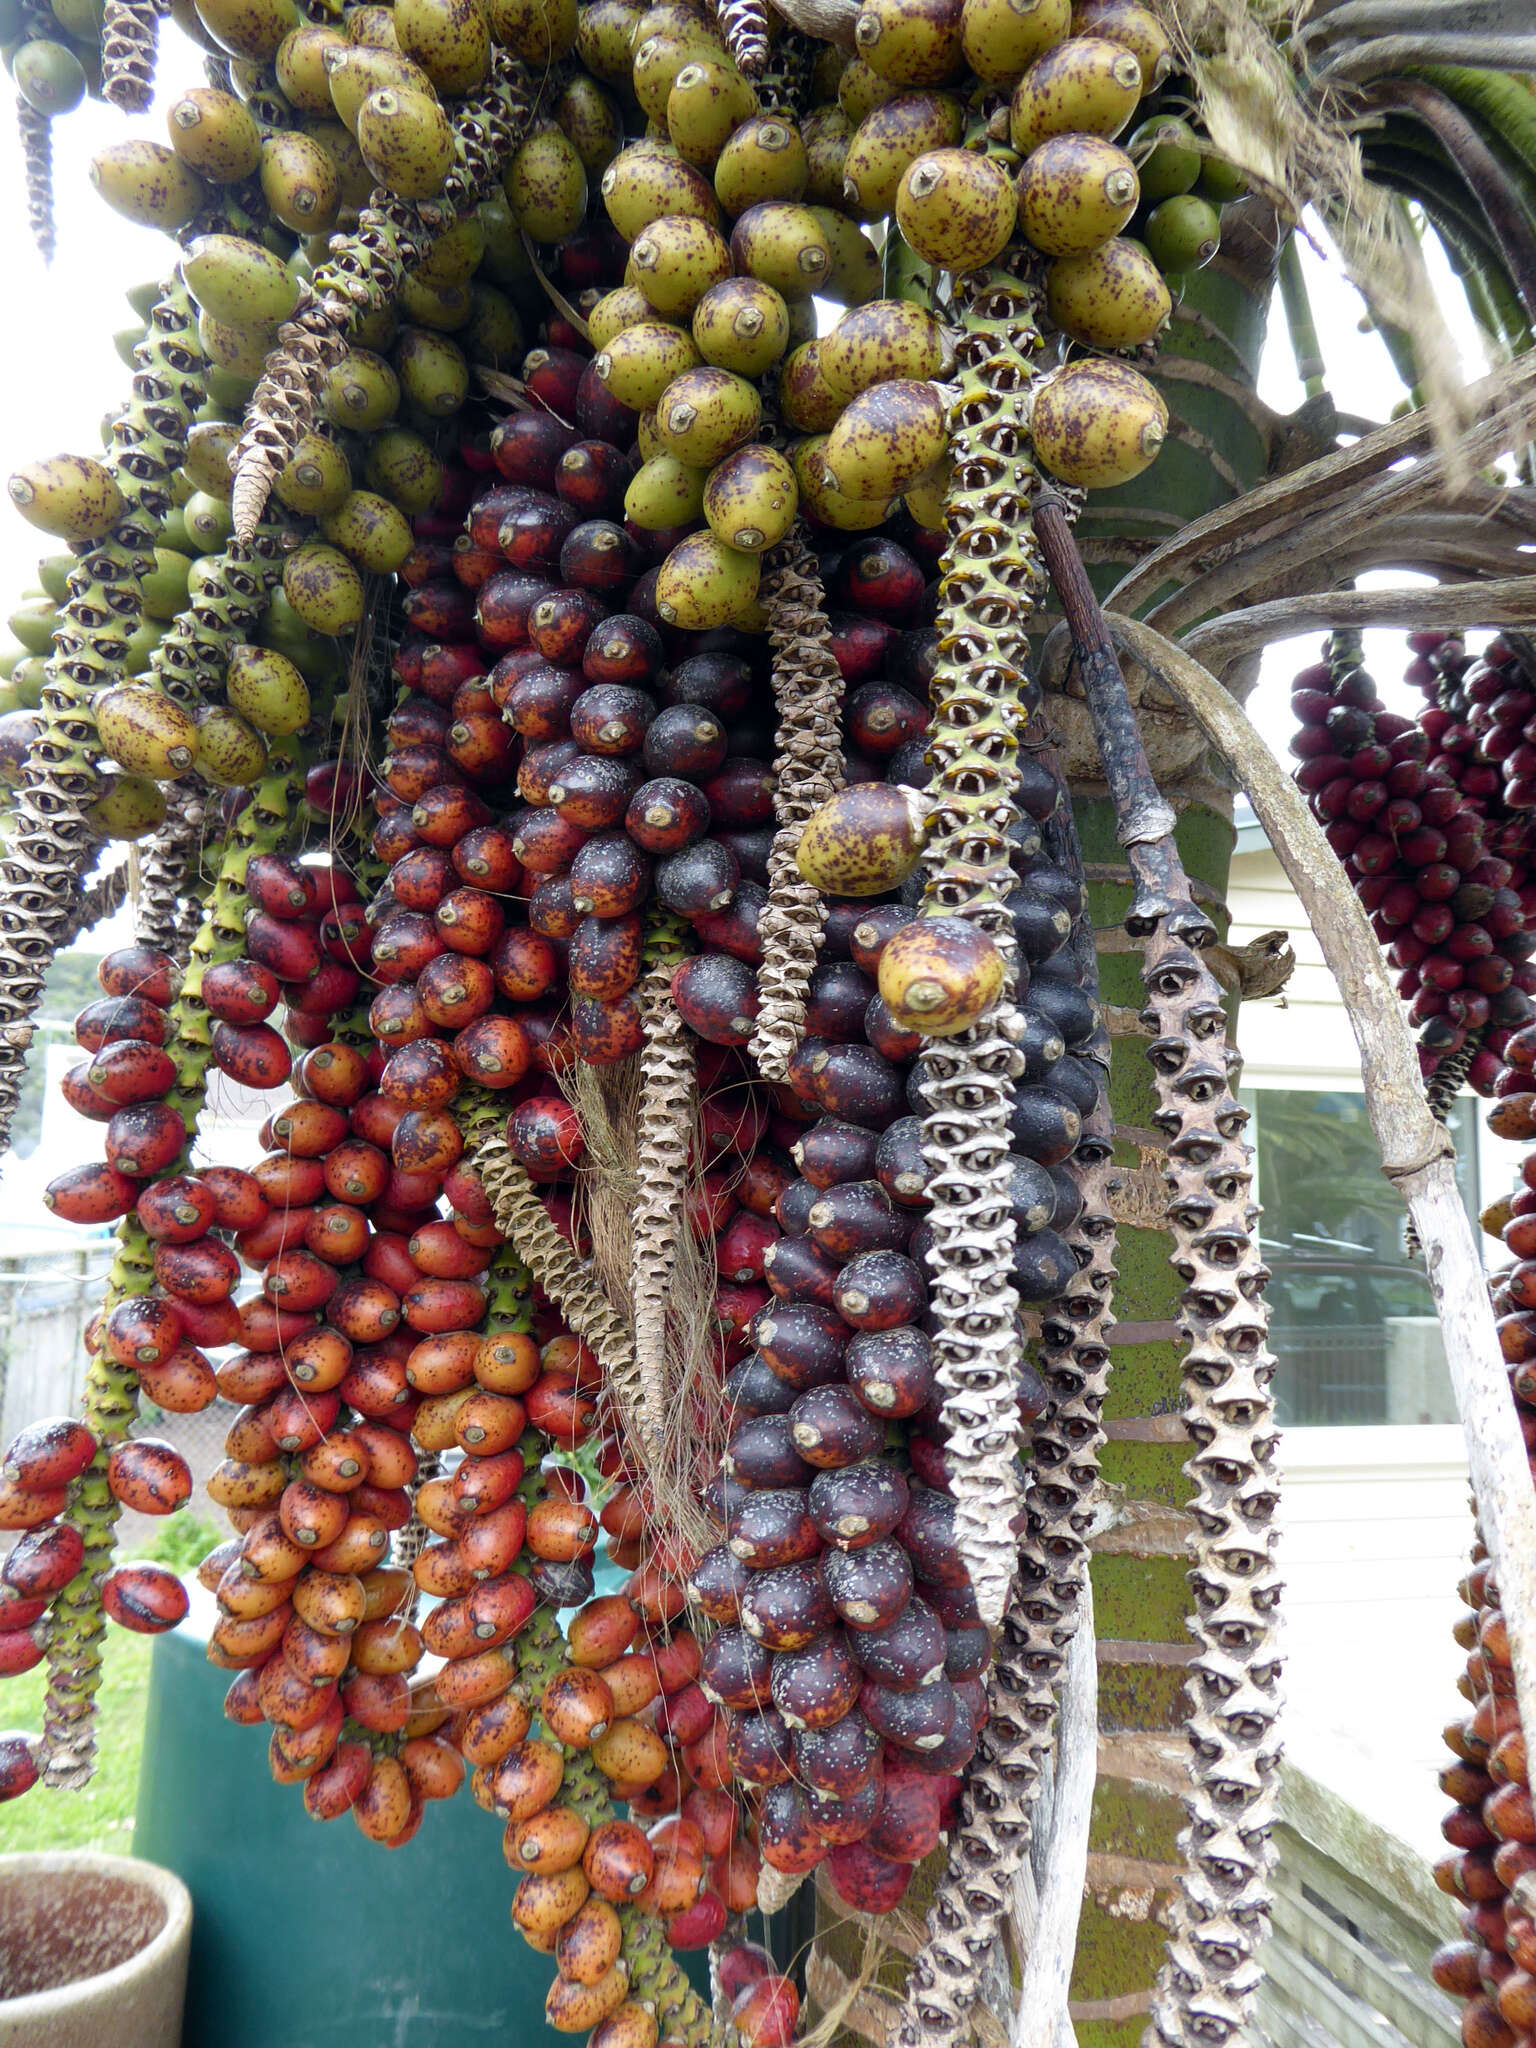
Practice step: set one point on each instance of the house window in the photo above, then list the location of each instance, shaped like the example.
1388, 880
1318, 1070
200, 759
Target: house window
1352, 1321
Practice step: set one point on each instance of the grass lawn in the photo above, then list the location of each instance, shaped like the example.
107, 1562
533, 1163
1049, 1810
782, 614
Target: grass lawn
100, 1817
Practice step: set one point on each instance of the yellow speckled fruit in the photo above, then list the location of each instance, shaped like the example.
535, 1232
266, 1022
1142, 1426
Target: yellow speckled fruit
72, 496
401, 467
863, 841
806, 396
434, 377
1113, 297
406, 141
147, 183
1137, 27
373, 24
885, 438
708, 100
741, 324
229, 750
538, 31
127, 808
891, 137
300, 65
590, 120
765, 159
355, 179
826, 133
751, 499
1085, 85
456, 254
783, 245
825, 502
704, 584
938, 975
676, 261
860, 90
444, 307
855, 276
1075, 191
664, 492
1002, 38
650, 179
248, 28
615, 311
355, 70
324, 588
605, 35
926, 498
660, 59
448, 39
239, 351
641, 361
370, 532
886, 338
239, 281
299, 183
267, 689
912, 42
315, 479
956, 209
704, 414
361, 393
144, 731
214, 134
546, 186
1098, 423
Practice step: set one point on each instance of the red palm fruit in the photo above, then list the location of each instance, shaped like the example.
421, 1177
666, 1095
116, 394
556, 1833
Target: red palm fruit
741, 1964
488, 1424
317, 1362
602, 1632
359, 1547
356, 1171
43, 1561
29, 1507
149, 1476
383, 1808
18, 1765
577, 1706
298, 1280
337, 1233
147, 1598
177, 1210
287, 1181
562, 1530
334, 1788
489, 1731
291, 951
676, 1657
83, 1099
443, 1364
452, 991
140, 971
786, 1838
765, 2013
557, 1406
391, 1458
311, 1515
95, 1193
426, 1143
144, 1139
212, 1324
380, 1701
493, 1051
483, 1483
497, 1607
420, 1075
436, 1305
238, 1202
50, 1453
281, 887
203, 1273
20, 1650
491, 1544
254, 1055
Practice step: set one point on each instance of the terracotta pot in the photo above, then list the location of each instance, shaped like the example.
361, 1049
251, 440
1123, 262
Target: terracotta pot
93, 1950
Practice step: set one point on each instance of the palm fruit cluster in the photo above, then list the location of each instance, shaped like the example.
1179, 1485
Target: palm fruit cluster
1420, 815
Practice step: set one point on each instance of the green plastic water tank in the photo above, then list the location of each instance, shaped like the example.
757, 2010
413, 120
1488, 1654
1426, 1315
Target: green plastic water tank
307, 1935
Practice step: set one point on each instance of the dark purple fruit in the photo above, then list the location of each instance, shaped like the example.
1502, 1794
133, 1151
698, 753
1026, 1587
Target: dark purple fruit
915, 1721
687, 740
763, 1452
868, 1587
907, 1651
927, 1533
718, 682
954, 1605
832, 1428
856, 1083
612, 718
872, 928
1032, 1193
1042, 1266
881, 1291
600, 556
1074, 1013
610, 876
592, 790
700, 879
539, 705
1079, 1080
717, 1583
754, 1388
734, 1672
798, 1270
858, 1504
880, 716
787, 1609
736, 929
773, 1528
720, 1495
623, 649
793, 1205
592, 478
532, 530
832, 1151
758, 1744
878, 575
740, 792
836, 1001
838, 1820
716, 997
910, 1819
967, 1651
1044, 1125
1069, 1198
802, 1343
891, 1371
1041, 1044
814, 1687
561, 623
839, 1759
899, 1164
785, 1835
889, 1038
1040, 925
858, 1216
666, 814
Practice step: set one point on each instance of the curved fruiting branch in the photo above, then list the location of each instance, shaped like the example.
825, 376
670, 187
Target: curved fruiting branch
1506, 601
663, 1136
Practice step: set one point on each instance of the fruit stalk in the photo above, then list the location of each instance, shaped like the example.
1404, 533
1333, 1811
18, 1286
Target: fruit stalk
990, 581
130, 34
664, 1128
35, 133
808, 768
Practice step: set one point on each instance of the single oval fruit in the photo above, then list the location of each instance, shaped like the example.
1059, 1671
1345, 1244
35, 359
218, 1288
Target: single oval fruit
863, 841
885, 438
956, 209
939, 974
1098, 423
72, 496
1075, 191
406, 141
1113, 297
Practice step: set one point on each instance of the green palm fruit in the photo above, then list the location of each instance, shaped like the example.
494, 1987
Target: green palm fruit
1136, 27
956, 210
173, 532
1220, 182
143, 299
660, 58
783, 245
301, 67
1002, 38
248, 28
926, 498
704, 414
826, 134
1097, 423
641, 361
129, 807
230, 391
353, 71
53, 574
125, 343
855, 276
1074, 192
209, 519
704, 584
231, 753
240, 350
401, 467
141, 644
622, 307
741, 324
888, 139
860, 90
650, 179
449, 39
30, 673
361, 392
164, 589
238, 281
605, 39
541, 32
406, 141
81, 21
370, 532
147, 183
315, 479
443, 307
457, 253
708, 101
324, 588
214, 135
1182, 233
374, 326
546, 186
886, 338
373, 25
664, 493
1111, 298
49, 76
806, 397
354, 180
885, 438
910, 42
145, 731
505, 261
676, 261
281, 629
266, 689
590, 123
764, 159
1086, 85
434, 376
750, 499
72, 496
493, 334
299, 183
1166, 153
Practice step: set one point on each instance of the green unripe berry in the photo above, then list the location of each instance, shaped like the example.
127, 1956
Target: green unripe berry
316, 477
71, 496
546, 186
370, 531
782, 245
1097, 423
449, 39
214, 134
664, 493
147, 183
890, 138
910, 42
238, 281
649, 180
145, 731
1166, 153
230, 751
625, 306
49, 77
164, 589
708, 101
361, 392
1182, 233
590, 123
266, 688
324, 588
1002, 38
956, 209
401, 467
299, 182
434, 376
886, 338
128, 808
